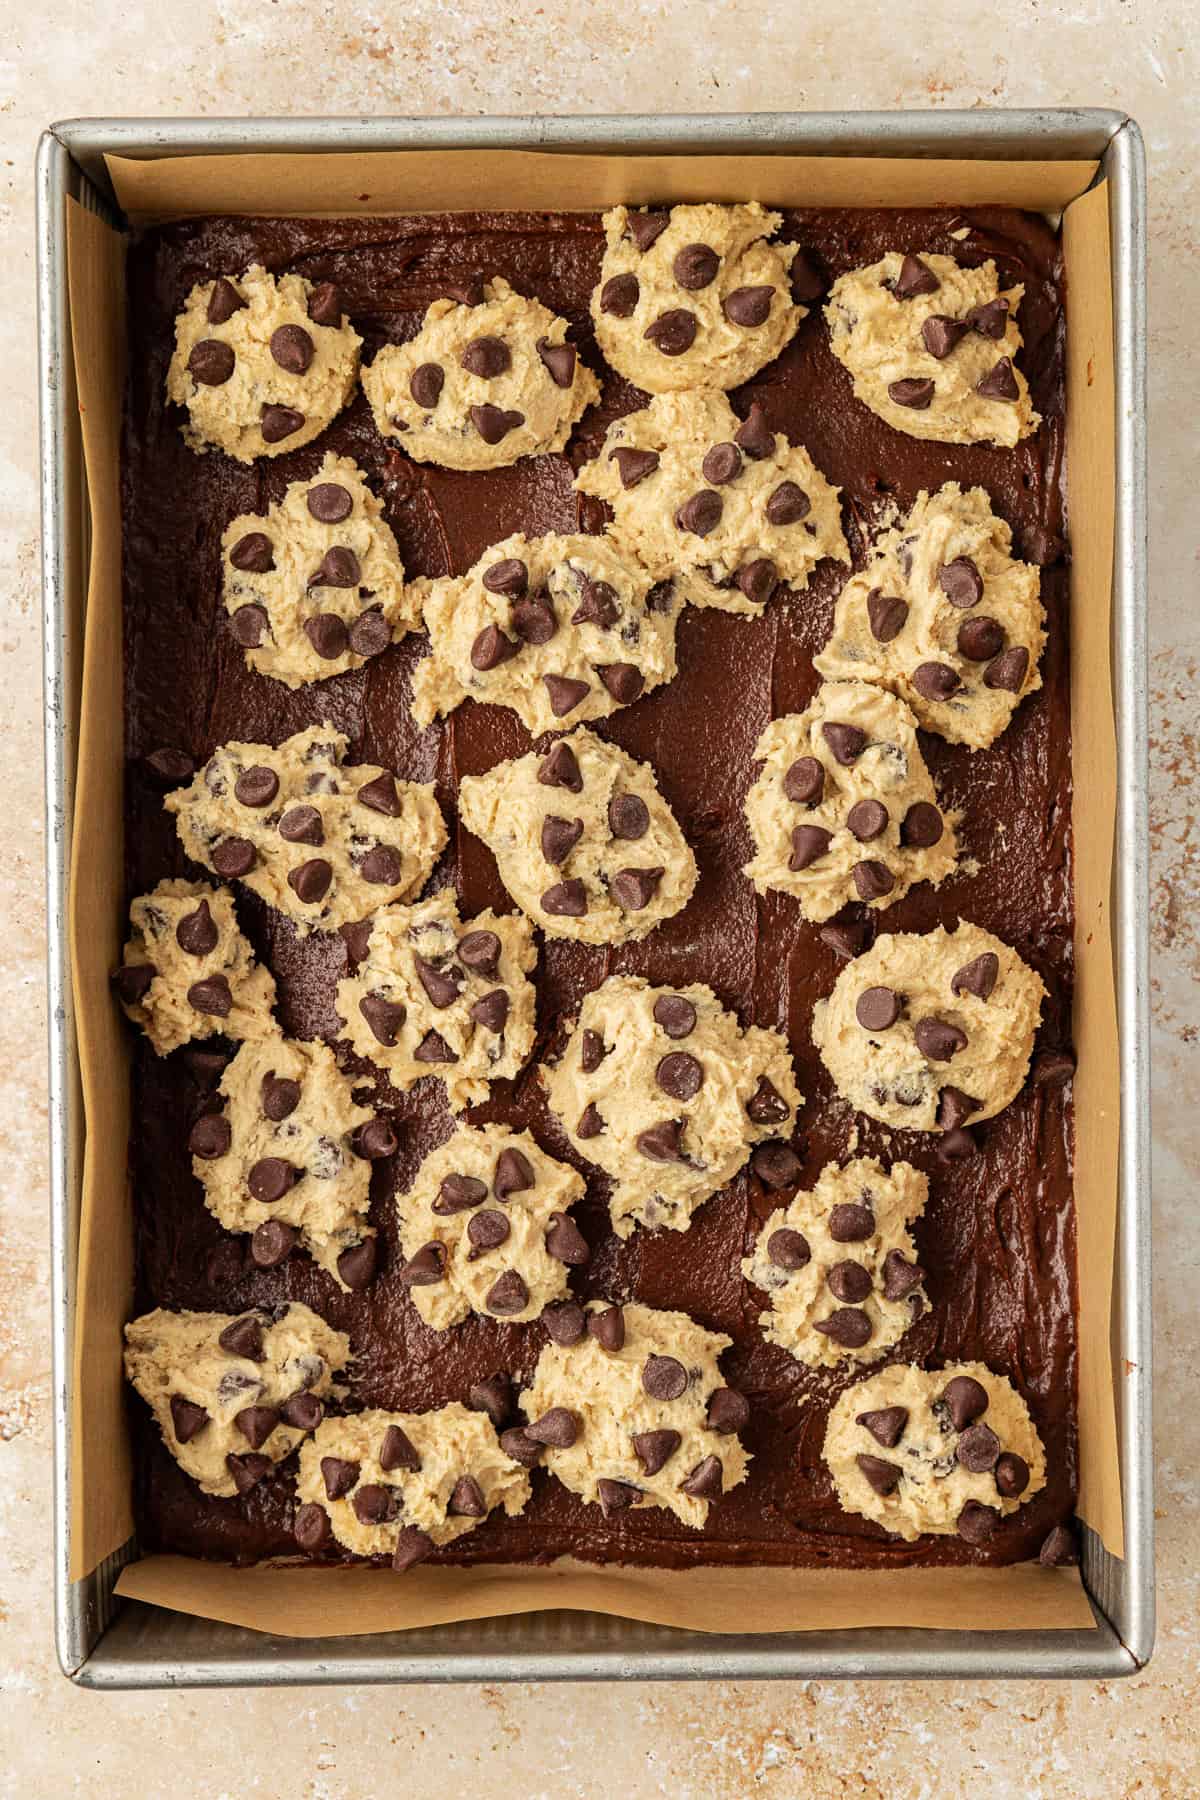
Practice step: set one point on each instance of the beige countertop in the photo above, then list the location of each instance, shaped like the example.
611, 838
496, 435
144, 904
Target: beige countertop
902, 1740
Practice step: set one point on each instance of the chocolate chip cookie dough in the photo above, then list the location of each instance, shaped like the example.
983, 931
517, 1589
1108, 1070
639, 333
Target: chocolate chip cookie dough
288, 1158
399, 1484
323, 841
693, 296
631, 1409
845, 809
839, 1263
485, 1228
728, 508
234, 1394
931, 348
437, 995
662, 1089
187, 971
489, 378
945, 617
561, 628
262, 364
316, 586
931, 1030
585, 843
938, 1450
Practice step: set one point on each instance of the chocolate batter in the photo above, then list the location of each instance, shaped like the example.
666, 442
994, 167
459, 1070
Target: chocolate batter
998, 1236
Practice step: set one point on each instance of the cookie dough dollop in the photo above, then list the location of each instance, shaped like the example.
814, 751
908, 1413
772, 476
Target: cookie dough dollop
188, 972
233, 1394
586, 844
628, 1413
934, 1450
943, 616
931, 348
400, 1484
728, 508
561, 628
662, 1089
481, 384
693, 296
262, 363
285, 1158
845, 809
839, 1263
324, 841
438, 995
316, 586
931, 1030
485, 1228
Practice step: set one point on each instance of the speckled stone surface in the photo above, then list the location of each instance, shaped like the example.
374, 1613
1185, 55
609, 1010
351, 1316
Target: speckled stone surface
1097, 1741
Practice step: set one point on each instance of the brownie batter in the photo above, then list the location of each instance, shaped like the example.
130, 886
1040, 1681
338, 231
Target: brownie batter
998, 1235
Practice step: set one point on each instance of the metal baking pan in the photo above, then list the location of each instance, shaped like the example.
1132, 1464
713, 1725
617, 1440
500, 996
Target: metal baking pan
106, 1643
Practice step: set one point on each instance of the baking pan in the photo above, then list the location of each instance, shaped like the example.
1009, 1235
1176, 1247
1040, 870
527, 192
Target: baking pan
104, 1642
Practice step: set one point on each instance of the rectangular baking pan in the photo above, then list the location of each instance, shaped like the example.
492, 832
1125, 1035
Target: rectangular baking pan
104, 1642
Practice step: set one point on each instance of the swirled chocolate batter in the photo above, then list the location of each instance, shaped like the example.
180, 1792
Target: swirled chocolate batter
996, 1239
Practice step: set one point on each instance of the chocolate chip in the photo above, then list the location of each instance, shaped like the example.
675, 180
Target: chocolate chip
270, 1178
356, 1266
244, 1337
696, 266
624, 681
1008, 670
1053, 1068
728, 1411
748, 306
210, 1137
805, 781
809, 844
425, 385
628, 817
425, 1268
302, 825
938, 1040
940, 335
851, 1222
491, 648
877, 1008
247, 625
256, 786
758, 580
491, 1011
533, 620
211, 362
977, 977
272, 1243
701, 513
935, 681
955, 1107
887, 615
374, 1504
676, 1015
466, 1499
255, 554
634, 889
619, 296
849, 1281
989, 320
311, 1528
565, 693
247, 1471
788, 504
873, 879
256, 1423
755, 437
559, 1428
912, 392
196, 934
459, 1193
654, 1449
565, 1323
879, 1474
565, 1242
467, 292
558, 360
479, 951
486, 357
598, 605
559, 837
223, 301
900, 1277
592, 1049
844, 940
487, 1230
292, 348
517, 1444
808, 283
977, 1449
673, 332
310, 880
566, 899
680, 1075
664, 1378
915, 277
608, 1328
961, 582
956, 1146
980, 639
634, 465
412, 1547
848, 1327
721, 464
233, 856
766, 1105
847, 742
1060, 1549
279, 1096
441, 988
211, 996
661, 1143
330, 502
706, 1481
866, 820
493, 424
776, 1165
397, 1451
616, 1496
370, 633
885, 1424
645, 228
965, 1399
999, 383
977, 1523
169, 768
340, 568
561, 769
373, 1140
186, 1418
325, 304
788, 1249
513, 1174
327, 634
279, 422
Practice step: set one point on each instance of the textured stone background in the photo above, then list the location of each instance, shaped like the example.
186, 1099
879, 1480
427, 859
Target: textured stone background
813, 1739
